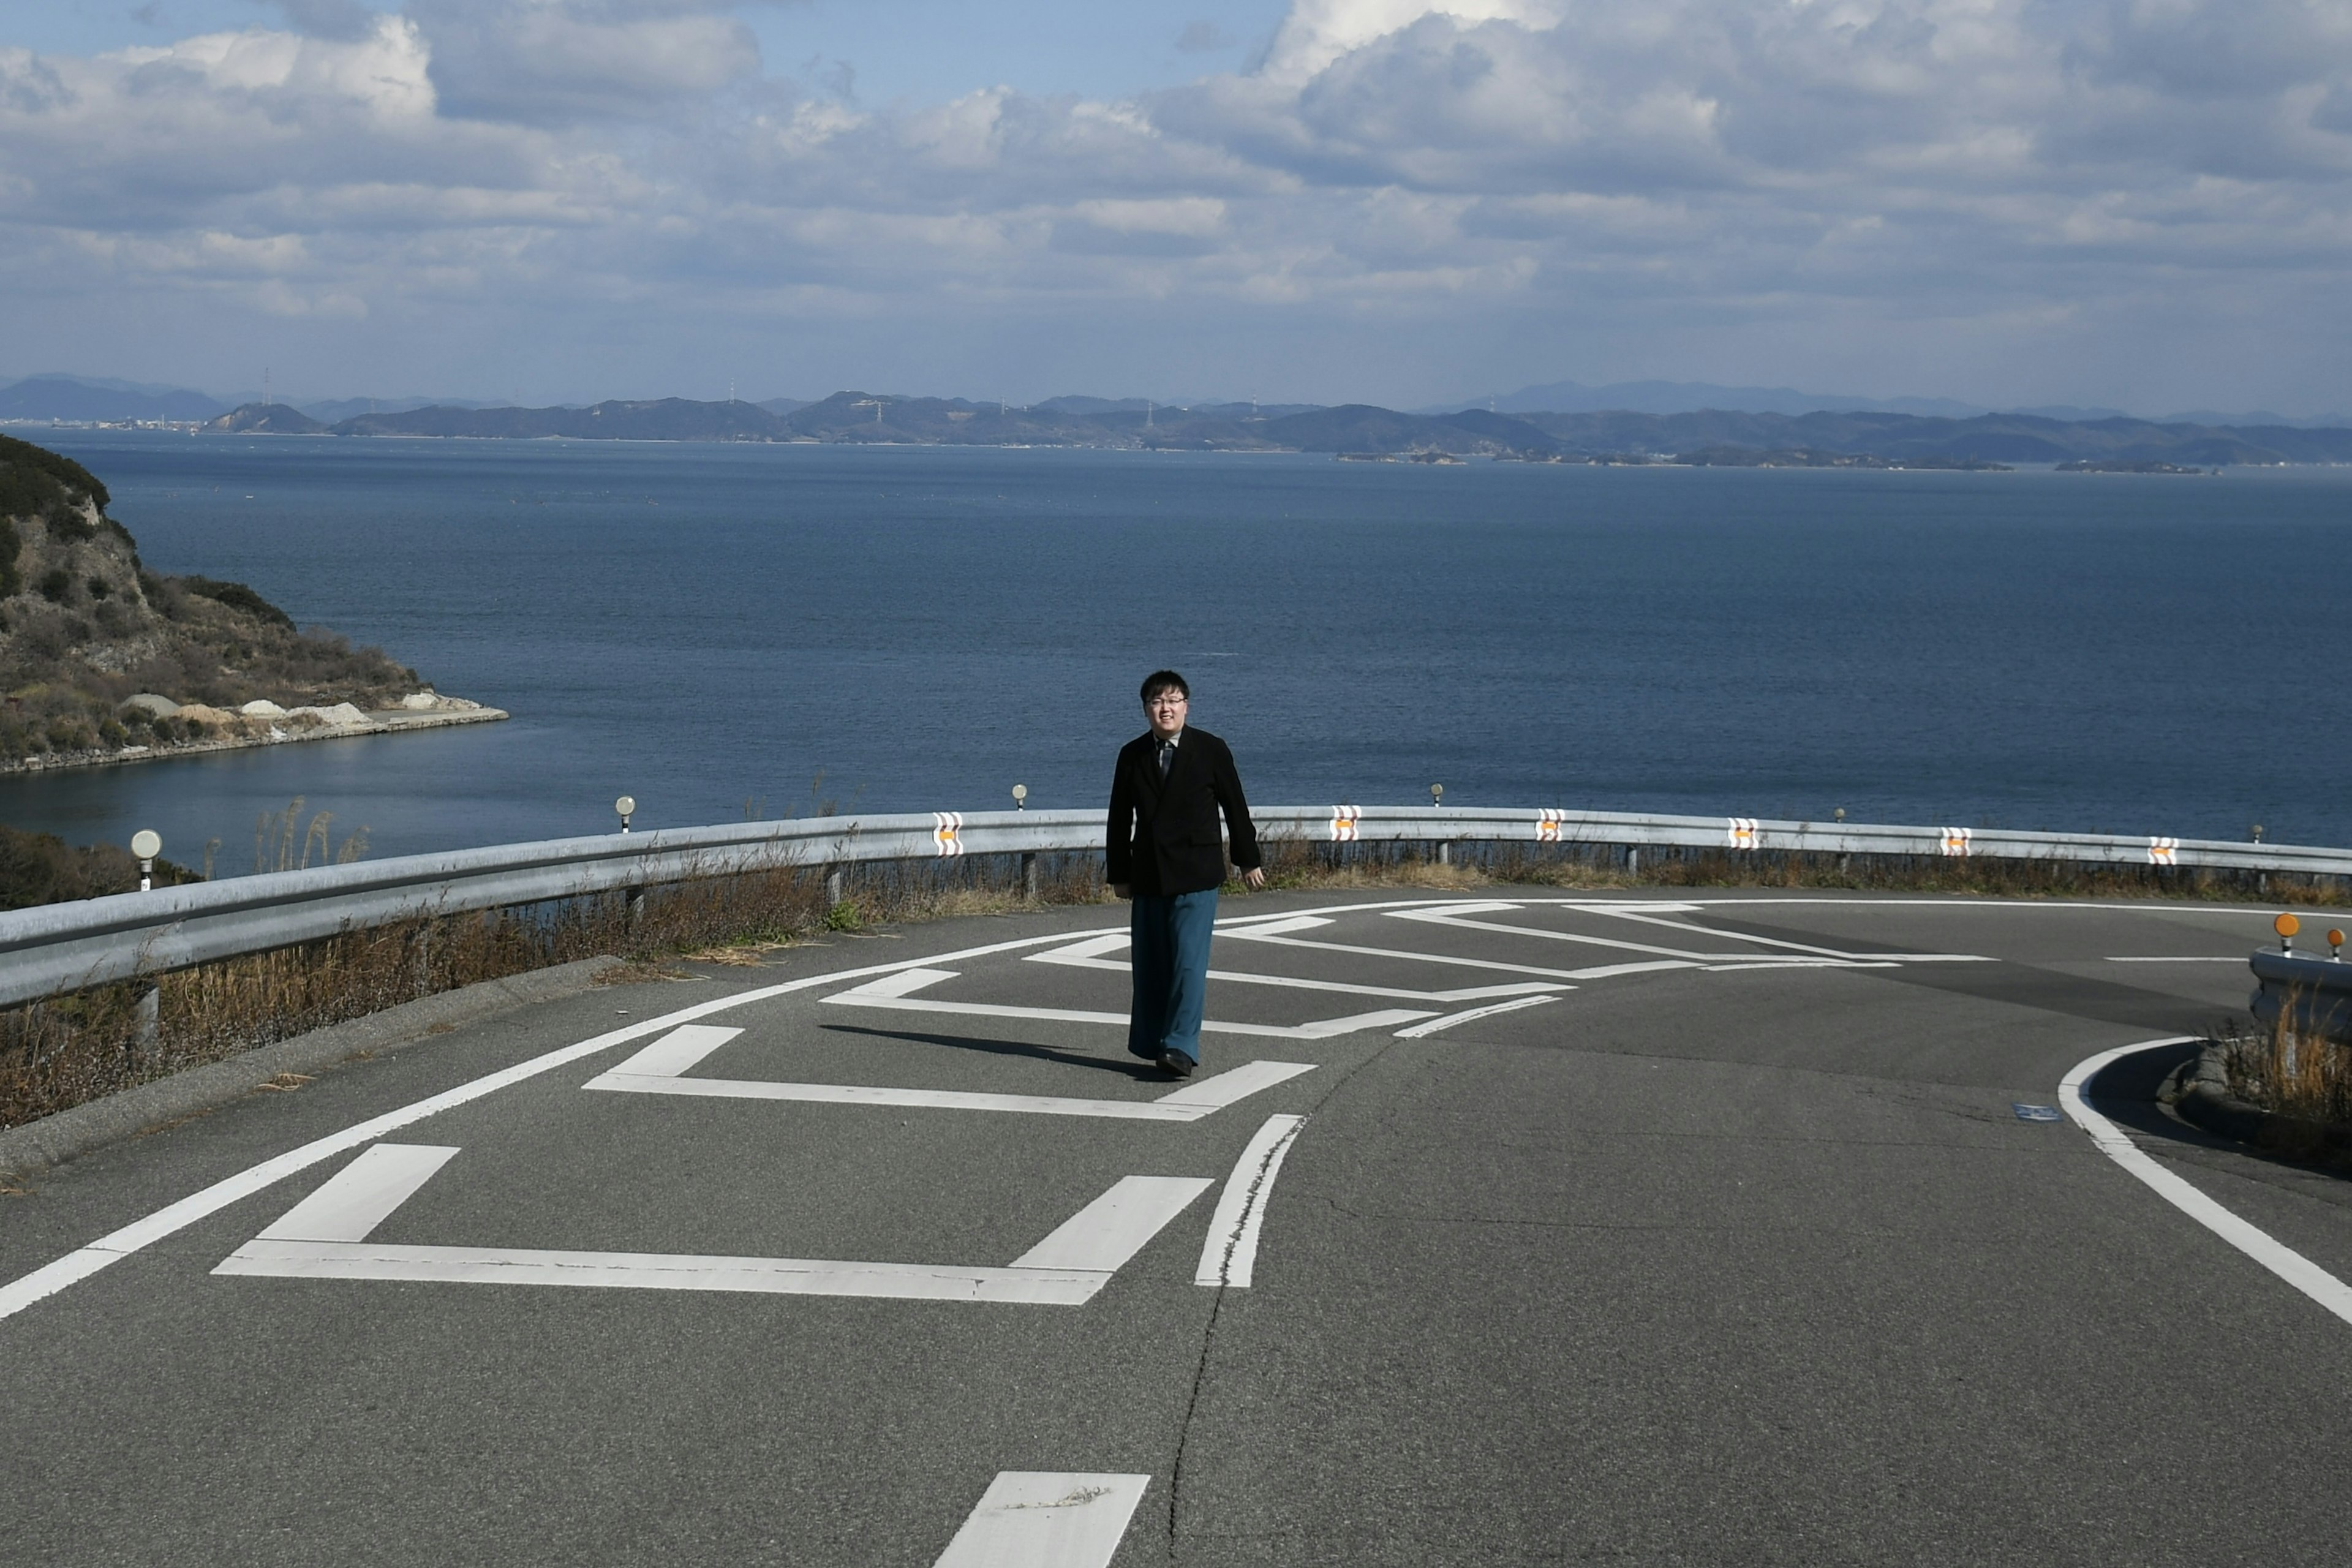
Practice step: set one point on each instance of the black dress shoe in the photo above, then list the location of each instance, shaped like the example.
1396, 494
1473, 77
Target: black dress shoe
1176, 1063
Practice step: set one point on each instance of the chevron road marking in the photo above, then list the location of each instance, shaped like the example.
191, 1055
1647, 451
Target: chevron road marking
1041, 1519
656, 1070
324, 1237
1088, 954
892, 991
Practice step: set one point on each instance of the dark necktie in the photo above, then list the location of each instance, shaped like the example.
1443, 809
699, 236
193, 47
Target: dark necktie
1167, 757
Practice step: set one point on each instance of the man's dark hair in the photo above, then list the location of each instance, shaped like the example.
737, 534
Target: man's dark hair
1160, 681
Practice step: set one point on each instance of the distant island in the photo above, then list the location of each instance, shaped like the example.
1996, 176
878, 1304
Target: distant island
102, 660
1713, 438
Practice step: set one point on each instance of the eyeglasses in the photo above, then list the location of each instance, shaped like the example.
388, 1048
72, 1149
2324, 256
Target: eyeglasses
1167, 699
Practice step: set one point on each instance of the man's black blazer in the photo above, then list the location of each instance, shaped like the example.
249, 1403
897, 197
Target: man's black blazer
1162, 838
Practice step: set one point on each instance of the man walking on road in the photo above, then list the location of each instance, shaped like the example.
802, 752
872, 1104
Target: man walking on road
1162, 851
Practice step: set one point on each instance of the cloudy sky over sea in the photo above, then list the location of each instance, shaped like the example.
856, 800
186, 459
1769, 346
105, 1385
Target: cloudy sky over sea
2144, 204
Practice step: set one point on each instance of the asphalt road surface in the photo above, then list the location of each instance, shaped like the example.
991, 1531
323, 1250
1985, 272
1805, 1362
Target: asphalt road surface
1730, 1230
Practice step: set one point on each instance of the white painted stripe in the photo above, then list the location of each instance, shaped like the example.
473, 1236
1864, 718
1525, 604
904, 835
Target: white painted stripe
676, 1052
1202, 1098
2284, 1261
1073, 958
905, 982
895, 1000
661, 1271
1067, 1268
115, 1245
2238, 958
1100, 1238
1476, 963
1229, 1257
1230, 1087
1277, 925
1753, 965
1039, 1519
1435, 1024
362, 1195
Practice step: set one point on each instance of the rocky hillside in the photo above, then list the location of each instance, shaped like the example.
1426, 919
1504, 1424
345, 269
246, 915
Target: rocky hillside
85, 628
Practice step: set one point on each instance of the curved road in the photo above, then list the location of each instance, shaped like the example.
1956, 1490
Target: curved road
1544, 1230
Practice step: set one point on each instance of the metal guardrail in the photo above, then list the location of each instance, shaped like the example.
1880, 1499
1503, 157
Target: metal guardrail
60, 948
2315, 993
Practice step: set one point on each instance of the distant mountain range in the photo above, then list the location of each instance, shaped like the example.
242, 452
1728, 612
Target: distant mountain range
1714, 436
1927, 432
1700, 397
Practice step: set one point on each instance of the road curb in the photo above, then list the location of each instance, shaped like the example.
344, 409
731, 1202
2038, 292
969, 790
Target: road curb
35, 1146
2205, 1101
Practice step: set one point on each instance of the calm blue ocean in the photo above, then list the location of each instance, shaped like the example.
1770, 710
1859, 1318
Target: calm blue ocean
711, 627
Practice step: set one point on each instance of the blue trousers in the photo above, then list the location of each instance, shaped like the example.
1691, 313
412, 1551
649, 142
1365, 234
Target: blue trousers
1171, 955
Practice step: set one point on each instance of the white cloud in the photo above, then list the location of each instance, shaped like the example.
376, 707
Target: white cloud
1526, 176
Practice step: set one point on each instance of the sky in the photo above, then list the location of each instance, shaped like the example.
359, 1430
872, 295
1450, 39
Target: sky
2138, 203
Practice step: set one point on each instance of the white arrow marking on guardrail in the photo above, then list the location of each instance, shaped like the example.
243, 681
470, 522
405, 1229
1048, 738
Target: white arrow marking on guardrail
656, 1070
2163, 851
892, 992
1743, 832
324, 1237
1038, 1519
1086, 954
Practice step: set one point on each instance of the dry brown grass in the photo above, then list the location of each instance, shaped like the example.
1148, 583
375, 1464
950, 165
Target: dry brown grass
2295, 1074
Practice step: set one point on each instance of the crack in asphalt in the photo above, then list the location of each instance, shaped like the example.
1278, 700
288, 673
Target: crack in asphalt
1216, 1313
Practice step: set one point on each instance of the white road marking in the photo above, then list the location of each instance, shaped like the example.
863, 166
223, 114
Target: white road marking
1088, 955
892, 993
1599, 973
1229, 1257
1435, 1024
1264, 925
1039, 1519
2282, 1260
1444, 918
1100, 1238
362, 1194
2238, 958
658, 1068
117, 1245
1814, 955
325, 1238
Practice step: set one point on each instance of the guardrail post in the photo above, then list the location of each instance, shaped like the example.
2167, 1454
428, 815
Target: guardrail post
150, 1020
833, 889
636, 907
1029, 876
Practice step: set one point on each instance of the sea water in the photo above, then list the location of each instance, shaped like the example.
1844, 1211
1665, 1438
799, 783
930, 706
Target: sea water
722, 630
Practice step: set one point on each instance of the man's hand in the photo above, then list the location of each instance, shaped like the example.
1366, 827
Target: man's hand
1119, 890
1253, 877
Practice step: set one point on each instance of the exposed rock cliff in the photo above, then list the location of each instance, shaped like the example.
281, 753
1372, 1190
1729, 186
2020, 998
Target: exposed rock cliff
85, 628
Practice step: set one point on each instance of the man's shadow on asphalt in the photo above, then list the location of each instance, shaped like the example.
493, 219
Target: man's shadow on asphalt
1125, 1067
